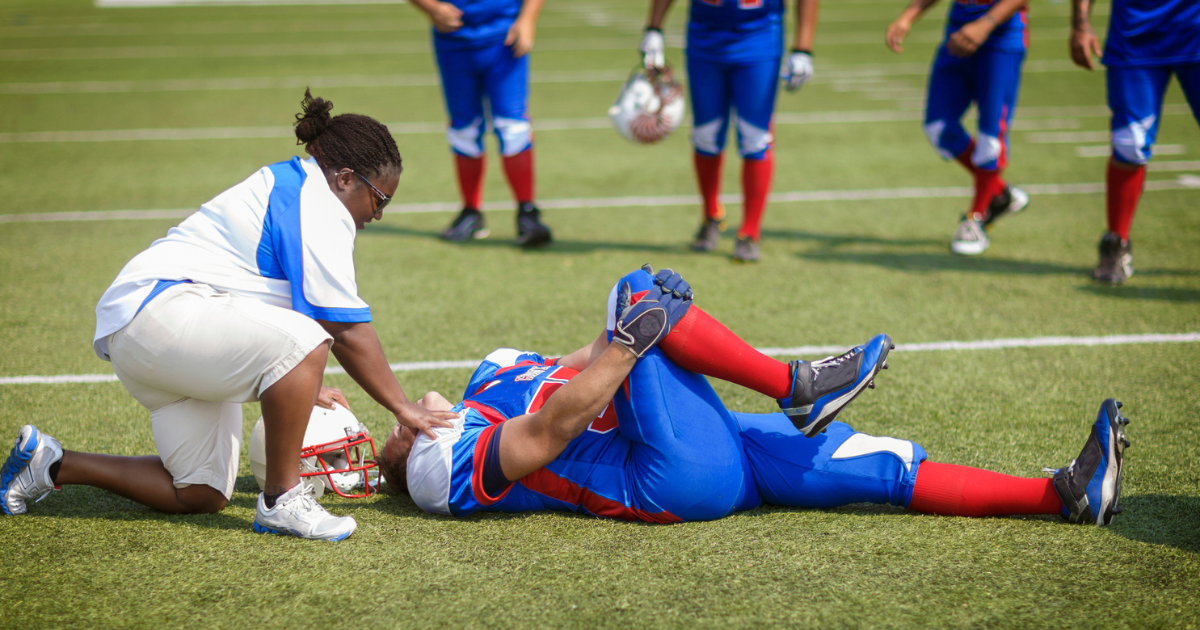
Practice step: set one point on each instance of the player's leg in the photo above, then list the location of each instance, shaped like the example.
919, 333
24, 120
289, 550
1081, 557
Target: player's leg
709, 86
506, 83
462, 89
997, 83
1135, 96
754, 86
811, 393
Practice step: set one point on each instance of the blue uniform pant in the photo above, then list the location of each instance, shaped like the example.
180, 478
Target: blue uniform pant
748, 87
990, 79
1135, 96
471, 76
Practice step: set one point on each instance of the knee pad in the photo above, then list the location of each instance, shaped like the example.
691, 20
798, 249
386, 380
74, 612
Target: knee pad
709, 138
467, 140
934, 131
987, 151
753, 141
1131, 143
515, 135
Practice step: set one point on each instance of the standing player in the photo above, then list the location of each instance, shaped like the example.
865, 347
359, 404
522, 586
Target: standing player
482, 51
241, 302
734, 50
979, 62
604, 432
1147, 42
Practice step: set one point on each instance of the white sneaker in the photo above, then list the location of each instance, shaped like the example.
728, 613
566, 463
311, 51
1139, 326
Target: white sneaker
26, 472
297, 513
970, 238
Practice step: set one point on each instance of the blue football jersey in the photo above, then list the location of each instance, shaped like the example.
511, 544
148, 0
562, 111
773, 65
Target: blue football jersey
485, 22
1153, 33
1012, 35
733, 31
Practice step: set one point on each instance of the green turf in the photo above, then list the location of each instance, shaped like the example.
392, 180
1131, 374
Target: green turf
832, 272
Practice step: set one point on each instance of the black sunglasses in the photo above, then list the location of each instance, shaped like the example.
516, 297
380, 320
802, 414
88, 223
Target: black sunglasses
383, 199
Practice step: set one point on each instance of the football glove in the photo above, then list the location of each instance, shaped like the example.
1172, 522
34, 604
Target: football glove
652, 49
640, 326
797, 70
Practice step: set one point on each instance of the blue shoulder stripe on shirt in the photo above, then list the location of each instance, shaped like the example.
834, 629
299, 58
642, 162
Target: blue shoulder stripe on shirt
281, 250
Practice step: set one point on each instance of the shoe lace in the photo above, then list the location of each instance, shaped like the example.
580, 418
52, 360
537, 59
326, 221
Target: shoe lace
831, 361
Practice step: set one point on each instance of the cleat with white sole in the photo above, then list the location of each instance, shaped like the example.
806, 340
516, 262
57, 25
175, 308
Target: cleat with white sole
1090, 486
297, 513
820, 389
26, 472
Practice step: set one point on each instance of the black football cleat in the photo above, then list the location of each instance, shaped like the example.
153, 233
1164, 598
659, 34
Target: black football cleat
531, 232
1090, 486
1116, 260
821, 389
469, 224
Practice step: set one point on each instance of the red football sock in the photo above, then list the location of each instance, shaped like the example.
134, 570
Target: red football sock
708, 176
1124, 189
470, 178
964, 158
702, 344
988, 184
952, 490
756, 185
519, 171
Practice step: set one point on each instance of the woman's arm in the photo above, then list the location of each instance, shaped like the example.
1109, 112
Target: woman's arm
446, 17
897, 30
357, 348
521, 34
966, 40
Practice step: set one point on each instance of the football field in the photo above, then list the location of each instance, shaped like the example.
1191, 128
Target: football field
116, 122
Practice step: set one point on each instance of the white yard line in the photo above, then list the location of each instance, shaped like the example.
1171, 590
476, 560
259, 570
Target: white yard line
936, 346
640, 201
1105, 150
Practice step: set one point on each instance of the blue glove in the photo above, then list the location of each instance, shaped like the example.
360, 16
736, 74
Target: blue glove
642, 325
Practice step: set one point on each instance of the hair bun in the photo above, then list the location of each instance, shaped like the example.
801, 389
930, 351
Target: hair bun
314, 119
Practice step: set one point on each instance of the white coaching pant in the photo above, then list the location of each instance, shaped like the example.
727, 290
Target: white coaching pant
192, 356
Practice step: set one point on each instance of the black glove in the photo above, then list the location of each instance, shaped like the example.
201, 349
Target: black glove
641, 325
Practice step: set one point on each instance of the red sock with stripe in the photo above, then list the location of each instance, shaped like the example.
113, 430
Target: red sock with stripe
756, 185
470, 178
708, 177
1123, 190
952, 490
988, 184
702, 344
519, 171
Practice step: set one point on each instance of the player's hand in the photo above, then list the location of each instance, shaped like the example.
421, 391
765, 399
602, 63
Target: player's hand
797, 70
520, 37
424, 420
966, 40
896, 32
1084, 44
641, 325
330, 395
446, 17
653, 49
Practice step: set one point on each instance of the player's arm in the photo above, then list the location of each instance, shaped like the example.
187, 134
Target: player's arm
587, 355
357, 348
531, 441
1084, 42
897, 30
798, 68
653, 46
446, 17
521, 34
966, 40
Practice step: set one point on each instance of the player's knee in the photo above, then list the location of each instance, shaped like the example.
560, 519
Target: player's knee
638, 280
468, 139
987, 150
1131, 144
515, 134
709, 138
200, 499
752, 140
936, 132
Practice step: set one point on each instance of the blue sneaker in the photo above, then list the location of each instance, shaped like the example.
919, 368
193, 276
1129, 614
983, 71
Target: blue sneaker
1090, 486
821, 389
26, 472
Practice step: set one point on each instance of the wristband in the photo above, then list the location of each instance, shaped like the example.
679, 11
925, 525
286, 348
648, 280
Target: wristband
801, 50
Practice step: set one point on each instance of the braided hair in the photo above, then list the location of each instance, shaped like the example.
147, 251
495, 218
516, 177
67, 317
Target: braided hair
349, 141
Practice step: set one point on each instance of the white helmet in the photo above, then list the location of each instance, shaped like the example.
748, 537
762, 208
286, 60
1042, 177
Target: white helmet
649, 107
333, 456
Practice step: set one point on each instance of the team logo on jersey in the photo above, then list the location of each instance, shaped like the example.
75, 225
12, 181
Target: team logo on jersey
533, 373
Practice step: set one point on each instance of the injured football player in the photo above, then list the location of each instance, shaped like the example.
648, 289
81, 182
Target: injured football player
628, 427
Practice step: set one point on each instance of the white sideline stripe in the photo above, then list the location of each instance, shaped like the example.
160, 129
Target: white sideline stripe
936, 346
642, 201
1105, 150
1181, 165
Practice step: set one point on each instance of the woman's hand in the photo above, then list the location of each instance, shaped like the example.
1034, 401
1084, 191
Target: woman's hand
1084, 44
446, 17
520, 37
896, 32
966, 40
423, 420
330, 395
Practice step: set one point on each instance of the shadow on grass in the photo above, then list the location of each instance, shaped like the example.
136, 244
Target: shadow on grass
78, 502
1160, 519
1166, 294
837, 240
558, 246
